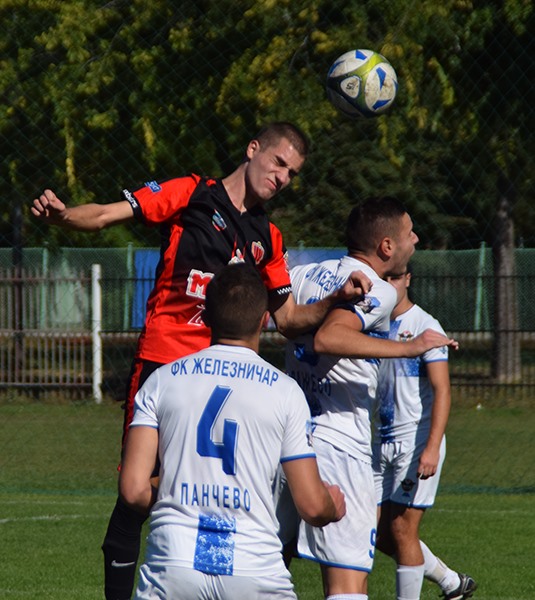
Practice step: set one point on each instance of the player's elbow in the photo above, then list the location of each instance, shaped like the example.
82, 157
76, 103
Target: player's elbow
135, 495
322, 344
318, 513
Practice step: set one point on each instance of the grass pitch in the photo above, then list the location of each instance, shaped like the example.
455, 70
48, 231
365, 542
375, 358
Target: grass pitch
58, 487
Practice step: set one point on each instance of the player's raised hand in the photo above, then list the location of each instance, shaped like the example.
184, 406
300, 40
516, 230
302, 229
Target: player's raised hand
338, 498
431, 339
49, 207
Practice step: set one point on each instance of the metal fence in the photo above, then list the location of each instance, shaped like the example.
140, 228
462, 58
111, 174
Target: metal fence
60, 338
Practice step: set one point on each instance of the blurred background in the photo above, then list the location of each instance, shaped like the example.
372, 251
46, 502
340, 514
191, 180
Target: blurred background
96, 96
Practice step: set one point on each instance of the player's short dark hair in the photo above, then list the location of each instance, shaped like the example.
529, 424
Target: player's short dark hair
236, 300
272, 133
372, 220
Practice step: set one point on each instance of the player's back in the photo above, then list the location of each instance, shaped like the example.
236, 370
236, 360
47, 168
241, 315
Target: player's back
226, 419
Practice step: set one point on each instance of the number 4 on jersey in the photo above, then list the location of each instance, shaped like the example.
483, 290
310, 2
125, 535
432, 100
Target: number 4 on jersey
206, 446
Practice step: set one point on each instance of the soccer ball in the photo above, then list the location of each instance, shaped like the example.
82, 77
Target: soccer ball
362, 83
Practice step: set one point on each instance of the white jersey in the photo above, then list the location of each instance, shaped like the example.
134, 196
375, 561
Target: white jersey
340, 391
405, 396
226, 418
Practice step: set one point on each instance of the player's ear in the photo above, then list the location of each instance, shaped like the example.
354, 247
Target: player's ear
252, 148
385, 248
265, 319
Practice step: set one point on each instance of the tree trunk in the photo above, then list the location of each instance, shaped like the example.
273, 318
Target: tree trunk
506, 359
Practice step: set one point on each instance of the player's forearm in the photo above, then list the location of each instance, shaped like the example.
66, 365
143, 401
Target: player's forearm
438, 375
87, 217
303, 318
338, 340
439, 418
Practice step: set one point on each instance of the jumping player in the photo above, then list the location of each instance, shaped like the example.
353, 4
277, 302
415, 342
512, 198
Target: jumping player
205, 223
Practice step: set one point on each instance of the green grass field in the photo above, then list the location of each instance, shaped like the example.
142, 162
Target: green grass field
58, 481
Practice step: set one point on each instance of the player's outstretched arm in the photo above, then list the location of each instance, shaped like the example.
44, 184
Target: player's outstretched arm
317, 502
341, 335
137, 466
86, 217
295, 319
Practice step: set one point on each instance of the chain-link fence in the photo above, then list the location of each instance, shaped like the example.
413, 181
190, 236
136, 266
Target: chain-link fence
98, 95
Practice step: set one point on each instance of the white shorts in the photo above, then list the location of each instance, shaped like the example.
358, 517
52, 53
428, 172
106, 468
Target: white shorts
164, 583
395, 466
349, 543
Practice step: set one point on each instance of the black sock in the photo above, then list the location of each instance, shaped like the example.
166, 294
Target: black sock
121, 551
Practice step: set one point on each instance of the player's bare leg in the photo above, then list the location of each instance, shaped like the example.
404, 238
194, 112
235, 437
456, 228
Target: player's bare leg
410, 570
347, 583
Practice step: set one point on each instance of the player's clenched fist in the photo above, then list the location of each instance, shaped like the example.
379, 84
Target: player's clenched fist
49, 207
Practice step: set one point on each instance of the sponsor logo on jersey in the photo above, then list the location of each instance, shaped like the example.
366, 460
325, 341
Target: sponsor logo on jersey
197, 317
197, 283
218, 222
153, 186
258, 252
120, 565
405, 336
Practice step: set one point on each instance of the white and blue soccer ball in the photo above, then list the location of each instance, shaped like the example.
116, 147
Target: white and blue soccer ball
362, 83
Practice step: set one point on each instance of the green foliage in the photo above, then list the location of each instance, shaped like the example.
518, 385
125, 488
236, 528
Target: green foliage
95, 96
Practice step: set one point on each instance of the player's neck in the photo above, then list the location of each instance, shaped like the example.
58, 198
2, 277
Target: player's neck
235, 187
251, 344
371, 261
402, 307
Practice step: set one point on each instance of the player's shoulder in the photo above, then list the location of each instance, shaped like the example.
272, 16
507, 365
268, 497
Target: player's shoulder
421, 319
313, 281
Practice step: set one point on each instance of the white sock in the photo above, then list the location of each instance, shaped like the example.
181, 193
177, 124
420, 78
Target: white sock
409, 581
347, 597
438, 572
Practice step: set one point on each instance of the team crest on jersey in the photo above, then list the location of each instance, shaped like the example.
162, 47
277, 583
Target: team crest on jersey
368, 304
218, 222
153, 186
405, 336
258, 252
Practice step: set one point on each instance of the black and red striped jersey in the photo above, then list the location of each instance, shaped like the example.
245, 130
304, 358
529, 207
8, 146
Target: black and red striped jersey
201, 232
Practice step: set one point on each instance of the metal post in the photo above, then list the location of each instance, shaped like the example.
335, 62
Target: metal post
96, 329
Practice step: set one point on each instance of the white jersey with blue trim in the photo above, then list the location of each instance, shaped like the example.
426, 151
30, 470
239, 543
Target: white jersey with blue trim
405, 396
226, 419
340, 391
